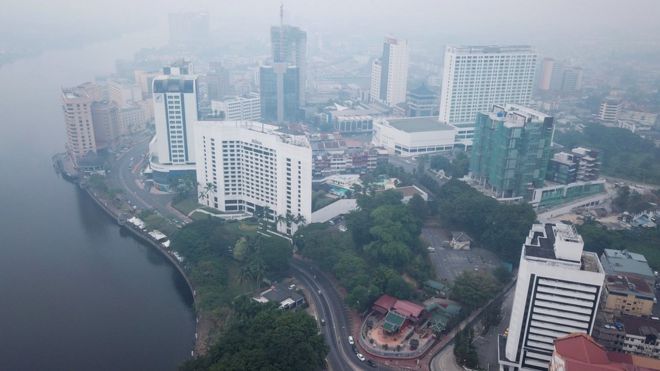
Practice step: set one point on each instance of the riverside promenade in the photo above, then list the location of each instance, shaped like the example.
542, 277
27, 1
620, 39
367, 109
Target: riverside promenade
202, 326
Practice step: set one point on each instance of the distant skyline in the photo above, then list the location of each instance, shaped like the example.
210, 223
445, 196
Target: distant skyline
471, 21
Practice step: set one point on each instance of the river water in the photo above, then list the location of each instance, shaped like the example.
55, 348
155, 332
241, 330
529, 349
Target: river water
76, 293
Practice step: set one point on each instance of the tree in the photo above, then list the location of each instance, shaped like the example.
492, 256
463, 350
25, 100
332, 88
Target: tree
464, 351
240, 249
262, 337
418, 207
474, 289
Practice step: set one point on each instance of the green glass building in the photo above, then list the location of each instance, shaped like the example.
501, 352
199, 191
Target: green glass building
511, 150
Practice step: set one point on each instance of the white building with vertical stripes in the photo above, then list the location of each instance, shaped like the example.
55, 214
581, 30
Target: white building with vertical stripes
557, 293
246, 167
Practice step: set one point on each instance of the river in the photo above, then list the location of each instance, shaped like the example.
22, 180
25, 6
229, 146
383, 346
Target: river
75, 292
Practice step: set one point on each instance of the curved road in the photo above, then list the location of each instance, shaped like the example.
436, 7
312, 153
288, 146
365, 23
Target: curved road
331, 307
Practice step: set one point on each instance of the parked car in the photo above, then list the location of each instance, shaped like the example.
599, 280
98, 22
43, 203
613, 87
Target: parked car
361, 357
350, 340
323, 321
372, 363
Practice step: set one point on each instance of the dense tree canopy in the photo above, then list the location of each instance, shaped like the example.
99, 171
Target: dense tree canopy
624, 154
474, 289
262, 337
498, 227
382, 243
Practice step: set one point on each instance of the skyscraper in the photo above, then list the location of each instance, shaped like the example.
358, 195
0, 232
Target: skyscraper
175, 113
477, 77
389, 73
106, 119
557, 293
289, 45
279, 92
77, 107
511, 150
247, 167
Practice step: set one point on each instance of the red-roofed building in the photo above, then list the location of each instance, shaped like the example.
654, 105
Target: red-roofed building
579, 352
409, 309
384, 304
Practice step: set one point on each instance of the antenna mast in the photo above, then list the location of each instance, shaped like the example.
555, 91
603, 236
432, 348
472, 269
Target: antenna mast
282, 32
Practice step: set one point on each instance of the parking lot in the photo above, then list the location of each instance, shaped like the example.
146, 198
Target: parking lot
449, 263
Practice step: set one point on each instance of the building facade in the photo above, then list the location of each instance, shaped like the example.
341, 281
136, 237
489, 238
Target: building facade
251, 168
175, 115
413, 136
511, 150
289, 45
107, 124
422, 102
557, 293
629, 334
245, 107
77, 108
389, 74
579, 165
279, 92
477, 77
609, 110
627, 294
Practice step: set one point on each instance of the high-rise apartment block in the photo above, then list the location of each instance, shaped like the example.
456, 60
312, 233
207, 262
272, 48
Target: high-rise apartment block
557, 292
511, 150
477, 77
77, 107
289, 45
175, 113
609, 111
579, 165
557, 76
217, 82
421, 102
240, 108
389, 73
279, 91
107, 125
248, 167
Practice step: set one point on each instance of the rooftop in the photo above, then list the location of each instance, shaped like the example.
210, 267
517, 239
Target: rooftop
280, 293
490, 49
516, 115
419, 124
560, 242
629, 284
581, 353
623, 261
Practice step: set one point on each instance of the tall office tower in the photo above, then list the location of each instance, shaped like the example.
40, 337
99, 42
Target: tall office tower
511, 150
123, 92
477, 77
188, 28
240, 108
106, 119
389, 74
422, 101
571, 80
609, 111
289, 45
279, 92
217, 82
250, 167
175, 113
77, 107
557, 293
545, 79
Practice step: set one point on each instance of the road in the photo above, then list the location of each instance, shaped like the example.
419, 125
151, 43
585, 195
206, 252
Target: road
487, 344
125, 173
331, 308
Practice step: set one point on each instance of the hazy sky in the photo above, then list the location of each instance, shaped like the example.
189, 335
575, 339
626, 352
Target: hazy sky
474, 21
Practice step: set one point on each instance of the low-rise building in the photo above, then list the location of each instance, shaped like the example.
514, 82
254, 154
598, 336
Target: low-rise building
285, 296
579, 352
629, 334
414, 136
245, 107
628, 294
618, 262
335, 155
422, 102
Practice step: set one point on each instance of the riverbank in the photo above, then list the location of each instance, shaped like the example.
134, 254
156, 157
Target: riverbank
202, 324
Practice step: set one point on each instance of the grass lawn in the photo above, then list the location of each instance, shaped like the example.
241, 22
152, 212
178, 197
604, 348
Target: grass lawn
187, 205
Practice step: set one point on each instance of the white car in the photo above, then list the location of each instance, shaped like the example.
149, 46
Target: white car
360, 357
350, 340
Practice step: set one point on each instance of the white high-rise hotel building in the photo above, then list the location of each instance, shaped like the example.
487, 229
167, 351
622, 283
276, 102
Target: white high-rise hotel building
477, 77
175, 114
250, 167
557, 293
389, 74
